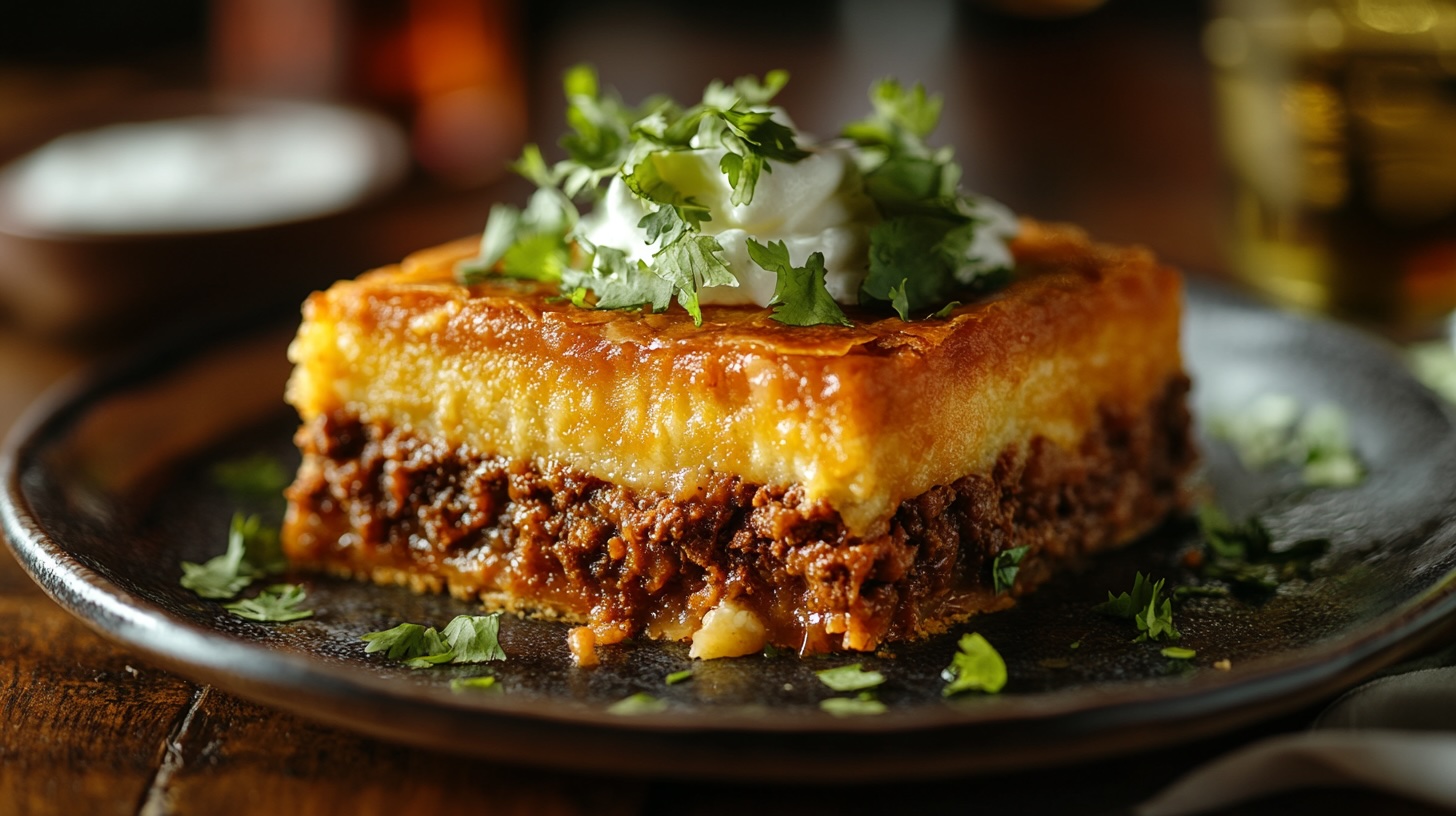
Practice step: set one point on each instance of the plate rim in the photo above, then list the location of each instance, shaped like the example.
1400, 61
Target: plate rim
1087, 716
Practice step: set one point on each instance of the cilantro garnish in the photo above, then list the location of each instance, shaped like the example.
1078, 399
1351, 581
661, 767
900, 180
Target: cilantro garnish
849, 678
678, 677
1005, 567
277, 603
1154, 620
474, 638
863, 705
465, 639
252, 552
481, 683
1243, 554
258, 476
1434, 364
932, 241
800, 297
976, 666
1271, 431
639, 703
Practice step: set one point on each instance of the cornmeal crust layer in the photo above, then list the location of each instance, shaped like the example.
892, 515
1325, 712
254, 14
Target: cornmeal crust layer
384, 503
840, 486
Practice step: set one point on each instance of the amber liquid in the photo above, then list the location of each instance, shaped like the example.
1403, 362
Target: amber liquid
1341, 140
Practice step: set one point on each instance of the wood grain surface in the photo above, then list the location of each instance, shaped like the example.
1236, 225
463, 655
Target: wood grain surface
87, 728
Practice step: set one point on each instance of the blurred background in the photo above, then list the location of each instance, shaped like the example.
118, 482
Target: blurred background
1094, 112
1303, 148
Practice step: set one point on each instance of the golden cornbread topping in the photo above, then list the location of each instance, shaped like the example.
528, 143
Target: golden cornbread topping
723, 202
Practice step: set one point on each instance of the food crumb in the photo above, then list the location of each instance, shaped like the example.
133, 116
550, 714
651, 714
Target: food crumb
1223, 665
1193, 559
583, 644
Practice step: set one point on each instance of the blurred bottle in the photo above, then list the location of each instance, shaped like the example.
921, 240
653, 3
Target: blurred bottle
1339, 126
448, 70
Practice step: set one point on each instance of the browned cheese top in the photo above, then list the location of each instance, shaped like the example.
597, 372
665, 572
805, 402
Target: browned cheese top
862, 417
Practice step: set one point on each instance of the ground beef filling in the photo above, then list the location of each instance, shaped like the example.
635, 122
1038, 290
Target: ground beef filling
385, 504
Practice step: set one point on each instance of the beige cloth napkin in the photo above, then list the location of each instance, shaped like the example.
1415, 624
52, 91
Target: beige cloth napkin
1395, 734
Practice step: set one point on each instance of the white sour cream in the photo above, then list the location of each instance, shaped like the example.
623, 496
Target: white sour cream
817, 204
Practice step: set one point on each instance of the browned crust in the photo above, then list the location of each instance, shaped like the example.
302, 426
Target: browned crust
384, 503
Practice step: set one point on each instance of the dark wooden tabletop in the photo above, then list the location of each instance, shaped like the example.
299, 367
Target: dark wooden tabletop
87, 727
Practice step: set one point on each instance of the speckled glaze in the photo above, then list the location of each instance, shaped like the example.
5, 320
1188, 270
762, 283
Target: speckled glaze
107, 489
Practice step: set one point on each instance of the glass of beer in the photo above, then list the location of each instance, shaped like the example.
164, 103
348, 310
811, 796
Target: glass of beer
1339, 125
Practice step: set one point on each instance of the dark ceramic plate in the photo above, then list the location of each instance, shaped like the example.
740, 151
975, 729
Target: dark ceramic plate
108, 488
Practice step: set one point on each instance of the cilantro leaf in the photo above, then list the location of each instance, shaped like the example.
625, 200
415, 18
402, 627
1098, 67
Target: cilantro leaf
483, 682
277, 603
252, 552
1434, 364
433, 650
259, 476
1243, 554
405, 641
849, 678
800, 297
976, 666
902, 268
1154, 620
1127, 605
466, 639
410, 643
945, 311
1005, 567
639, 703
689, 262
861, 706
474, 638
618, 283
1270, 431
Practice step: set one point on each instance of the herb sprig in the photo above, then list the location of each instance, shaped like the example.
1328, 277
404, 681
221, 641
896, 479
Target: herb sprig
465, 639
1142, 605
1243, 553
252, 552
932, 239
976, 666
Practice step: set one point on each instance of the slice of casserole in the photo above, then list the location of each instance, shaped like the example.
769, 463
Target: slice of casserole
742, 482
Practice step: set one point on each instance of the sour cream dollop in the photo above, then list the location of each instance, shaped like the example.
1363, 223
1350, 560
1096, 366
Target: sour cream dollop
816, 204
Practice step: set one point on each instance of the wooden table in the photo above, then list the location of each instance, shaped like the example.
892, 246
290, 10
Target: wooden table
86, 727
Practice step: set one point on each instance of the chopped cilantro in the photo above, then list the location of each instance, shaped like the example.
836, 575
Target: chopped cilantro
1243, 554
1154, 620
849, 678
976, 666
466, 639
480, 683
1178, 653
800, 297
1005, 567
945, 311
277, 603
933, 240
679, 677
252, 552
258, 476
1271, 431
474, 638
639, 703
863, 705
1434, 364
